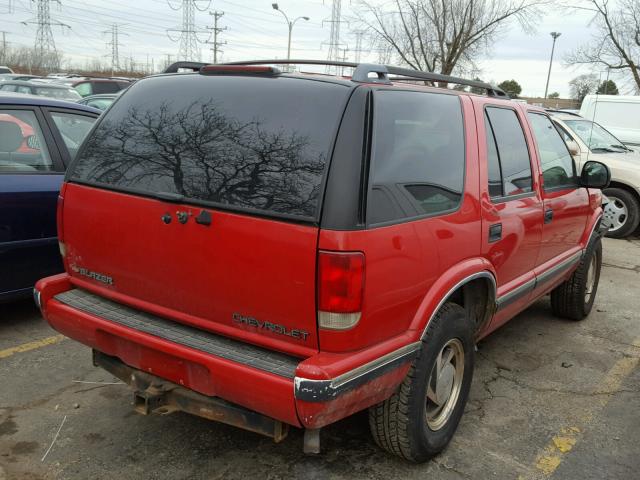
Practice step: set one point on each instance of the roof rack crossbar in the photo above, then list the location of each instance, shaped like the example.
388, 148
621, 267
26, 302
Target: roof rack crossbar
362, 72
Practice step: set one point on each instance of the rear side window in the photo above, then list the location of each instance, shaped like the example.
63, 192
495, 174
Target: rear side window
84, 89
250, 143
105, 87
558, 169
508, 160
418, 156
22, 146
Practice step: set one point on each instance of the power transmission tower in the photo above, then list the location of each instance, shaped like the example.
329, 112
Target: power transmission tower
215, 32
334, 36
115, 46
188, 49
46, 55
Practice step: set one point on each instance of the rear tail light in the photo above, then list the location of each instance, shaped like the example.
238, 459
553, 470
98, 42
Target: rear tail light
340, 289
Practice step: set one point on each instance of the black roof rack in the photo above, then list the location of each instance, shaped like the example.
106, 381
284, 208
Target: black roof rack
363, 71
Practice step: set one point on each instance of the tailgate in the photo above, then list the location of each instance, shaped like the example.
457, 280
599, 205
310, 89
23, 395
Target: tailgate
243, 276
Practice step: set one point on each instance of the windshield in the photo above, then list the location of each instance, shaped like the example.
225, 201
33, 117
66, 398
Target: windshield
594, 136
59, 93
240, 142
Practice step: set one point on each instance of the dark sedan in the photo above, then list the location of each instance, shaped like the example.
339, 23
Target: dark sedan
38, 139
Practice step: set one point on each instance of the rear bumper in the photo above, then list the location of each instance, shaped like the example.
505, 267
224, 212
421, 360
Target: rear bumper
308, 393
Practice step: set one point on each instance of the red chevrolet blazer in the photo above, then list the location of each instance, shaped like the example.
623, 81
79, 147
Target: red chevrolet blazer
274, 249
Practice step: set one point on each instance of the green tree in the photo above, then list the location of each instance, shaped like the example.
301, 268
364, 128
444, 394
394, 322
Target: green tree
512, 88
554, 95
608, 87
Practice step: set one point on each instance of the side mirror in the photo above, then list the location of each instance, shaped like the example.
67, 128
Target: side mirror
574, 148
595, 175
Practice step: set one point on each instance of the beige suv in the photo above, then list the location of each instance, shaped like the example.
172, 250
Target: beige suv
589, 141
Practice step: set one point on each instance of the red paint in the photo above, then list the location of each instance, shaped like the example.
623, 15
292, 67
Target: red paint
271, 270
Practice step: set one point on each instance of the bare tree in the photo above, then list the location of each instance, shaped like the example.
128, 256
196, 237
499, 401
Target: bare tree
583, 85
616, 45
440, 36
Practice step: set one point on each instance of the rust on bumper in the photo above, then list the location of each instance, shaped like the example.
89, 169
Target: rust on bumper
155, 395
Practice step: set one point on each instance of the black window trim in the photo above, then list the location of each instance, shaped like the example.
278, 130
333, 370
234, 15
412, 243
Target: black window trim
58, 167
314, 220
557, 188
398, 221
517, 196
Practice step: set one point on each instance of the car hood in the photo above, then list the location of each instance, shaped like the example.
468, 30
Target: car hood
625, 167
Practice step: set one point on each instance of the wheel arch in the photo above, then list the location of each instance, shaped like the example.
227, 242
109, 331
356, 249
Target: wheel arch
471, 285
625, 186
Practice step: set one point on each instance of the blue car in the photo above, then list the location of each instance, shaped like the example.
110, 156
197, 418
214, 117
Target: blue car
39, 137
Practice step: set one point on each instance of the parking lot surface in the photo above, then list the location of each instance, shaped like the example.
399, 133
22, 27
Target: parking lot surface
550, 399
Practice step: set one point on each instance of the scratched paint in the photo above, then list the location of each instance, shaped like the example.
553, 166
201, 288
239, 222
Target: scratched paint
25, 347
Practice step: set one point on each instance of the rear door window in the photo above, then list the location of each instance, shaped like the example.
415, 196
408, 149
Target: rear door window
558, 169
73, 129
507, 154
22, 145
418, 158
237, 142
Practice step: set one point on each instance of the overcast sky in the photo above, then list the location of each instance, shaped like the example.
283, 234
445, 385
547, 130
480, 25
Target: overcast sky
255, 30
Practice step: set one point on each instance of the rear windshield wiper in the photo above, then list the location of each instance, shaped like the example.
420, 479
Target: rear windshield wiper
168, 196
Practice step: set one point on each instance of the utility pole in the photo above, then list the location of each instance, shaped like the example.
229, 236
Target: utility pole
45, 47
115, 46
216, 31
555, 36
188, 38
343, 58
358, 50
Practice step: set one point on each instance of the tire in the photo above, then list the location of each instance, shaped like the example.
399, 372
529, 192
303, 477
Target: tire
573, 299
407, 423
623, 213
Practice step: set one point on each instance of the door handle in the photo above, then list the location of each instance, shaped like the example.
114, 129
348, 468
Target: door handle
495, 232
548, 216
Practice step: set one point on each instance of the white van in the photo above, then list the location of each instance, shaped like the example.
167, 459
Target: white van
620, 114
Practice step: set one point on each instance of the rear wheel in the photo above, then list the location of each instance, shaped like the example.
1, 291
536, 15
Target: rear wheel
419, 420
622, 213
573, 299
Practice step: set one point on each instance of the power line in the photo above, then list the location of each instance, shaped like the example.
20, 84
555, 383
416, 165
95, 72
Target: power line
358, 50
215, 32
189, 41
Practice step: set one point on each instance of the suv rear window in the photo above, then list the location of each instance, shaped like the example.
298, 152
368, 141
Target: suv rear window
250, 143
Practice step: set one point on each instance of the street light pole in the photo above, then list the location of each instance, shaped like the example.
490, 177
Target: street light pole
290, 24
555, 35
